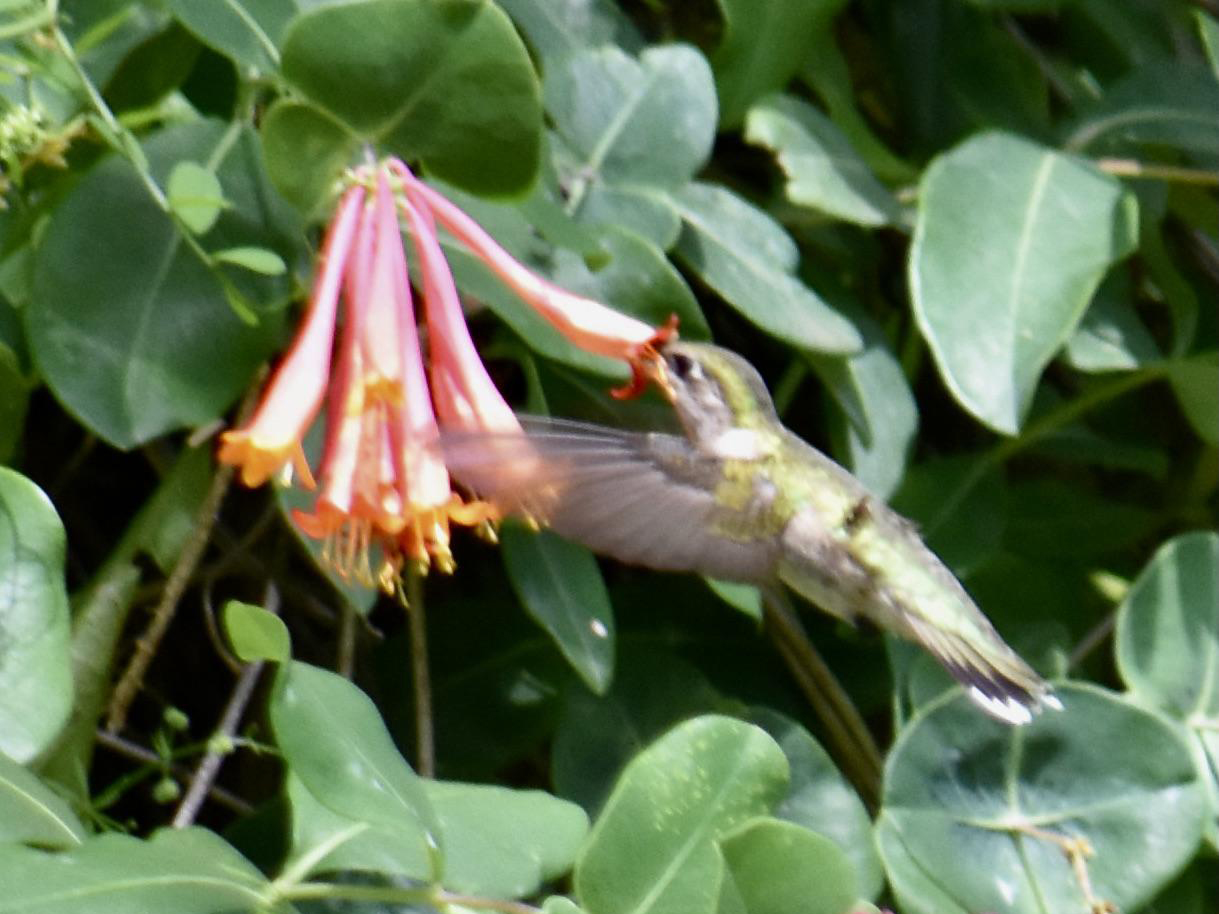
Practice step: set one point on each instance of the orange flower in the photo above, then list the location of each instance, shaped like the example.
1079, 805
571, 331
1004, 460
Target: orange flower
273, 437
384, 484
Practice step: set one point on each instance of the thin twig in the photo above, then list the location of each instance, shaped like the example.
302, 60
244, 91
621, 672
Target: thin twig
849, 734
209, 765
175, 585
1132, 168
1092, 640
345, 661
425, 748
146, 645
138, 753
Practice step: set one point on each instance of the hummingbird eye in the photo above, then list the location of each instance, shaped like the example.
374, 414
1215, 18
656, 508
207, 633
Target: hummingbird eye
682, 365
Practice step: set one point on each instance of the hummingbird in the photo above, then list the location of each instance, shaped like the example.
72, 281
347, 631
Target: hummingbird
738, 496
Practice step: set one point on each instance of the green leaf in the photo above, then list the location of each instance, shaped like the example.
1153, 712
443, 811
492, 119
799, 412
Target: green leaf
35, 665
1011, 242
747, 257
879, 416
558, 29
130, 329
13, 404
399, 74
247, 31
306, 148
744, 598
335, 742
187, 871
965, 72
1052, 518
559, 904
256, 634
780, 868
560, 586
972, 809
1111, 337
763, 47
820, 799
823, 171
649, 122
962, 515
1195, 381
1167, 103
333, 842
195, 196
32, 813
503, 843
1168, 643
597, 735
653, 847
257, 260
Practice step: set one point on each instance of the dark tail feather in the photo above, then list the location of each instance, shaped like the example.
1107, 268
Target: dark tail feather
994, 676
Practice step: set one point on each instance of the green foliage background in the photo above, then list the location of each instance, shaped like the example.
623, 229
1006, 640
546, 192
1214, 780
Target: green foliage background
973, 245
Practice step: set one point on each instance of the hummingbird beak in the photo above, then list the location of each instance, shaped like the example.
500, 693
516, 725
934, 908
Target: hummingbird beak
648, 366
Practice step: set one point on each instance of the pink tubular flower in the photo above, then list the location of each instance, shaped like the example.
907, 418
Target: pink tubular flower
273, 437
384, 483
587, 323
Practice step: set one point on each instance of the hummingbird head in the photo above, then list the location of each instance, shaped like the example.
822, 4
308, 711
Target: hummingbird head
713, 390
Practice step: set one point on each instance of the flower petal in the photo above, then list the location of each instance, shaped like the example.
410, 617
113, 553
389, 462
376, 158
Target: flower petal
588, 323
273, 436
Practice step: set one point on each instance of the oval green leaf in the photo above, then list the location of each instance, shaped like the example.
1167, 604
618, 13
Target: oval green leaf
823, 170
649, 122
187, 871
820, 799
561, 587
195, 196
248, 31
256, 260
1011, 242
445, 81
33, 813
961, 787
35, 661
130, 328
334, 741
747, 257
764, 46
653, 847
778, 867
503, 843
597, 735
1168, 643
255, 633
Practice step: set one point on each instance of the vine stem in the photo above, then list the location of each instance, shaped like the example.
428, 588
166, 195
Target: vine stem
394, 895
175, 585
849, 735
107, 116
146, 645
209, 766
1132, 168
138, 753
1041, 428
425, 746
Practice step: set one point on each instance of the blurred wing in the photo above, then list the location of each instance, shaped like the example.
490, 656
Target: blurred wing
643, 498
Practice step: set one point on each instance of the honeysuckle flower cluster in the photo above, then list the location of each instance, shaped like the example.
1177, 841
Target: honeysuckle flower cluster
382, 481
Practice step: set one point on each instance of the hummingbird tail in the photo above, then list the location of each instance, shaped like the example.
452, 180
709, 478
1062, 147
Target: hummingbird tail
993, 675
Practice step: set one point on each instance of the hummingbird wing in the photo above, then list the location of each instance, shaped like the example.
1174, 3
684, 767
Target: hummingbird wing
645, 498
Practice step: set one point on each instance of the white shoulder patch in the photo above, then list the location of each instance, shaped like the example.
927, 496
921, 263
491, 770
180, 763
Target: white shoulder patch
738, 444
